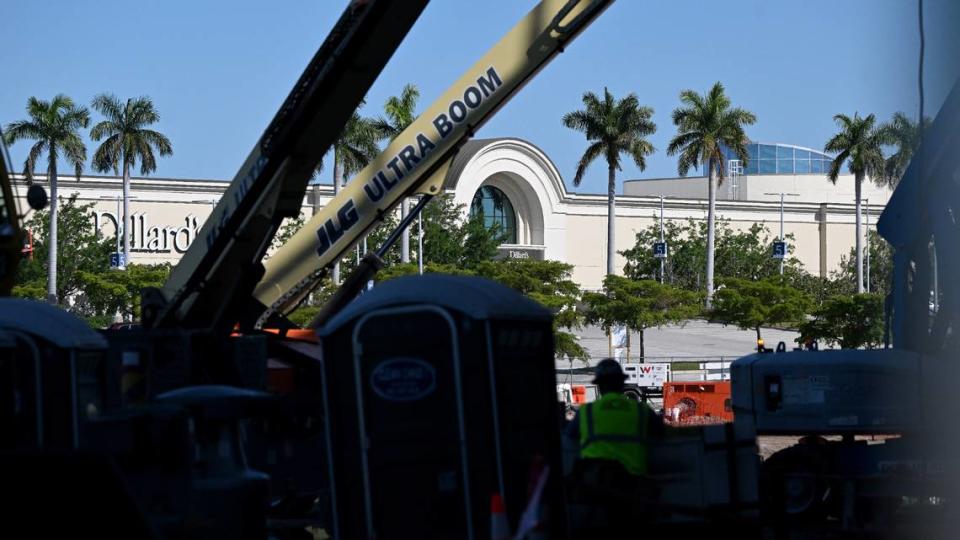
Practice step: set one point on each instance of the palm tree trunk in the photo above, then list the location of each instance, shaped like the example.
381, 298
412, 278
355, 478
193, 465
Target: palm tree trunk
611, 217
337, 180
711, 210
52, 240
858, 245
126, 213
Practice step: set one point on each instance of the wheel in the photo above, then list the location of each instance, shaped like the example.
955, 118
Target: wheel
632, 393
795, 487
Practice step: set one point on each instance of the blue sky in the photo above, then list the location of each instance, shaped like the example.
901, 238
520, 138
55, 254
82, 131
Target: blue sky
217, 70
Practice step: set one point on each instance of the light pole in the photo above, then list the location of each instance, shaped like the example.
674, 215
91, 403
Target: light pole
121, 226
420, 242
866, 256
867, 261
662, 259
782, 194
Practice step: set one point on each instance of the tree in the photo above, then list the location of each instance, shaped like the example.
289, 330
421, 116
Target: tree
96, 292
905, 135
819, 288
738, 253
54, 125
752, 304
451, 238
400, 112
108, 292
354, 149
705, 125
612, 127
288, 228
850, 320
881, 266
639, 304
127, 141
860, 143
85, 251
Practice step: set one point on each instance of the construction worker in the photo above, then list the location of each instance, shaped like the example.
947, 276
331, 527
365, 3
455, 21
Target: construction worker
615, 427
613, 433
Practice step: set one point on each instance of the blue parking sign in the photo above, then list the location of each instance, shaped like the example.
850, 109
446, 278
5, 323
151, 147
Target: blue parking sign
660, 250
779, 250
117, 260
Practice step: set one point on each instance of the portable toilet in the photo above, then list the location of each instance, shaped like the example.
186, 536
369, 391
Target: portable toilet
441, 396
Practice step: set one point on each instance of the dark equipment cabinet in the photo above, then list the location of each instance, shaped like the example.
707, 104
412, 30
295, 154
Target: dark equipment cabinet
441, 393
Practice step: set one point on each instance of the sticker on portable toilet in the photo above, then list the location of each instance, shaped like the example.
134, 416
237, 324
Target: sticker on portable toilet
403, 379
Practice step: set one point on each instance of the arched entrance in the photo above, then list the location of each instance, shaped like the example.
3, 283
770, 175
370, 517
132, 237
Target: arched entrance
493, 206
515, 187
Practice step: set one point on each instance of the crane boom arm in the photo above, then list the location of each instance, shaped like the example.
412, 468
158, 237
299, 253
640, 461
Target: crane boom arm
415, 159
218, 273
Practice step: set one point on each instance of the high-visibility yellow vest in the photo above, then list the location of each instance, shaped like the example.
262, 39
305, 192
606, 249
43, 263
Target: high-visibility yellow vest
615, 427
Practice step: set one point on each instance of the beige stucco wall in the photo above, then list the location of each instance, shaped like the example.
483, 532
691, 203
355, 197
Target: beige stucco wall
571, 227
798, 187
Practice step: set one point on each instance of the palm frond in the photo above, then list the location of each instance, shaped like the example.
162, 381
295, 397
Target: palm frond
29, 164
592, 152
109, 106
128, 140
22, 129
107, 156
834, 172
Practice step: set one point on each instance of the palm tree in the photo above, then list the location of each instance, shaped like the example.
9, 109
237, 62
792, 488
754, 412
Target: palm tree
705, 125
904, 134
54, 126
352, 151
401, 112
860, 142
612, 127
127, 141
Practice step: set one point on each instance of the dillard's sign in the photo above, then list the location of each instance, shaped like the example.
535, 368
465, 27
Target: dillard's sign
147, 239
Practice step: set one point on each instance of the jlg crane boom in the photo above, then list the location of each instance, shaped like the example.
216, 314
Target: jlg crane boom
417, 160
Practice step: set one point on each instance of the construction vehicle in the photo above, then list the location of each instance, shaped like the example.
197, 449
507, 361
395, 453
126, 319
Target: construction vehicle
180, 416
875, 452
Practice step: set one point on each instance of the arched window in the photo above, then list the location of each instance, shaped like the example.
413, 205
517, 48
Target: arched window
494, 207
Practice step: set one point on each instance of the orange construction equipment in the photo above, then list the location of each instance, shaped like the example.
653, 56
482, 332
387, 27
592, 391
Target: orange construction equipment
579, 393
703, 402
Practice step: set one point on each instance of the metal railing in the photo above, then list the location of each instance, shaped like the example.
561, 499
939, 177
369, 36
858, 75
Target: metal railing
682, 368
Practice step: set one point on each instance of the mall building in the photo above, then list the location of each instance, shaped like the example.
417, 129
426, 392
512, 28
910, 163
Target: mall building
516, 185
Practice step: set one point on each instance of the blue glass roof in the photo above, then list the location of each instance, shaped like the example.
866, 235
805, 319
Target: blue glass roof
775, 158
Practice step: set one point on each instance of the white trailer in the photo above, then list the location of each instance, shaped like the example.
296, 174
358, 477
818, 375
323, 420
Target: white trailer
645, 380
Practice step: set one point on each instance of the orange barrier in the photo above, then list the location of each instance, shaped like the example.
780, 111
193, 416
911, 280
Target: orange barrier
697, 402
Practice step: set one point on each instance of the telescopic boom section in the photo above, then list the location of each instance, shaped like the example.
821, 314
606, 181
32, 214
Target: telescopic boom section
415, 161
216, 276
